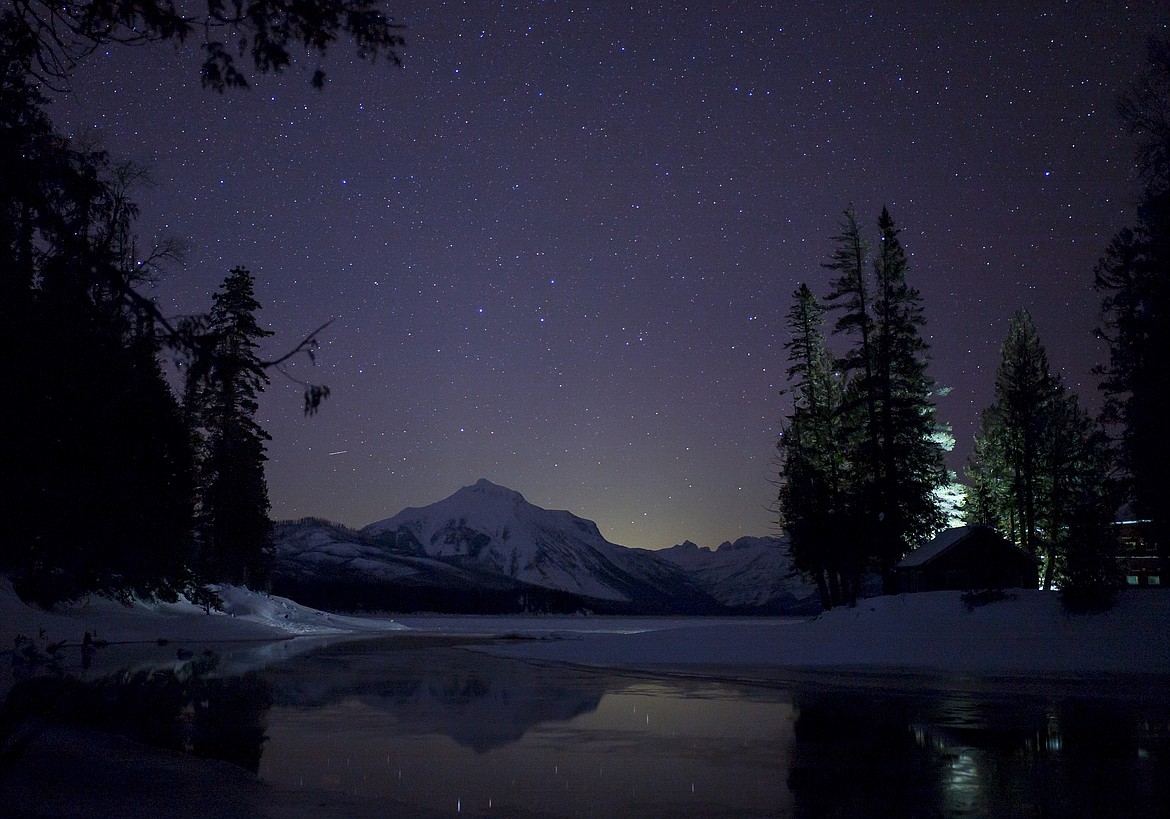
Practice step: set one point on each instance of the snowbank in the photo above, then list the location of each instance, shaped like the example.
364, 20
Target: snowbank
246, 615
1027, 634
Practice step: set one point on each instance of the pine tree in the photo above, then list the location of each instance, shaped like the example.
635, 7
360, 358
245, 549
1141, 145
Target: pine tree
1090, 575
1134, 280
910, 467
988, 496
1013, 428
1038, 460
813, 469
222, 399
889, 425
850, 296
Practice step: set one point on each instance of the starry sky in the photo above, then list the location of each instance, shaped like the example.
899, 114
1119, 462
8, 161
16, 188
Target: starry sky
559, 243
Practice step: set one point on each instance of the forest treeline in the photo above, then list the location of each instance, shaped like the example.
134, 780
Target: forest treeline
861, 451
113, 483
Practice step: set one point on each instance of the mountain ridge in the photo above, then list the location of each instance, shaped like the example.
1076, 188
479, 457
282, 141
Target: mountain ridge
485, 546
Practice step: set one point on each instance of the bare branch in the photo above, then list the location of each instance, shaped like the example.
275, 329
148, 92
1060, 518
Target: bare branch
307, 345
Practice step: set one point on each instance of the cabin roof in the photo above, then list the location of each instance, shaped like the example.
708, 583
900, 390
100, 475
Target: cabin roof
946, 540
943, 541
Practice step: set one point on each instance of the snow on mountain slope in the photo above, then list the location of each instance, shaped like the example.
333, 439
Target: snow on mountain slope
495, 529
751, 573
320, 546
486, 548
332, 566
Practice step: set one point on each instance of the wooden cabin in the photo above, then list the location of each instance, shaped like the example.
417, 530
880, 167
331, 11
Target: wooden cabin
967, 557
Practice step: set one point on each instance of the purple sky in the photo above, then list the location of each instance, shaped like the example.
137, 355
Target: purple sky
560, 243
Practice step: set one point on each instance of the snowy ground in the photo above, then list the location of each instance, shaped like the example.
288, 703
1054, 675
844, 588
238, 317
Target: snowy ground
251, 631
1027, 633
246, 615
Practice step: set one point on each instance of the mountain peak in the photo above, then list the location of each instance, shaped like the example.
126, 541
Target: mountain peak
485, 487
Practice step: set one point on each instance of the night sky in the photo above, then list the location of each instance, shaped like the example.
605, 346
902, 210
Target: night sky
560, 243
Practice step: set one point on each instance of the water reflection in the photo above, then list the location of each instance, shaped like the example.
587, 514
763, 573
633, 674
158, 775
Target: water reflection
443, 728
450, 729
937, 753
437, 728
186, 707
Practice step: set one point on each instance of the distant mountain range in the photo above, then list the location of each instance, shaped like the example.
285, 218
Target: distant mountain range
486, 549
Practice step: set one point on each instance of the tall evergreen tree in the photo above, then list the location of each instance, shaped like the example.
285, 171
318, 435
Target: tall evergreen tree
850, 296
1134, 280
222, 393
889, 427
1090, 575
910, 457
813, 468
987, 493
1013, 430
1038, 461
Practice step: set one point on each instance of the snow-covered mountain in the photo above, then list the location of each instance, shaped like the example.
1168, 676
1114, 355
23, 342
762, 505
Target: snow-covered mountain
494, 529
751, 574
485, 548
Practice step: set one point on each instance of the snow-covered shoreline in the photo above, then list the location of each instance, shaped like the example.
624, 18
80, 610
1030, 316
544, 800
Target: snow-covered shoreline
1027, 633
245, 615
251, 631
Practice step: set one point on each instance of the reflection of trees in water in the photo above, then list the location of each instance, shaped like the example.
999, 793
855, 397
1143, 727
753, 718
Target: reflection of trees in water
1111, 762
183, 709
852, 759
868, 754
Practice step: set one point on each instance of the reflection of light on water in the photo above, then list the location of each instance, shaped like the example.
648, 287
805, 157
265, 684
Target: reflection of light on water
964, 788
1052, 740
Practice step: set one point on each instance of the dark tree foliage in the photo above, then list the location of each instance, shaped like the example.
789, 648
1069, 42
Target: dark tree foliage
1083, 507
235, 533
97, 469
851, 297
1040, 472
910, 456
55, 36
1134, 280
97, 472
861, 457
888, 420
813, 469
988, 488
1010, 460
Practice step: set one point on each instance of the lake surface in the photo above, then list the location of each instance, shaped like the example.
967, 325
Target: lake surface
450, 730
421, 726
